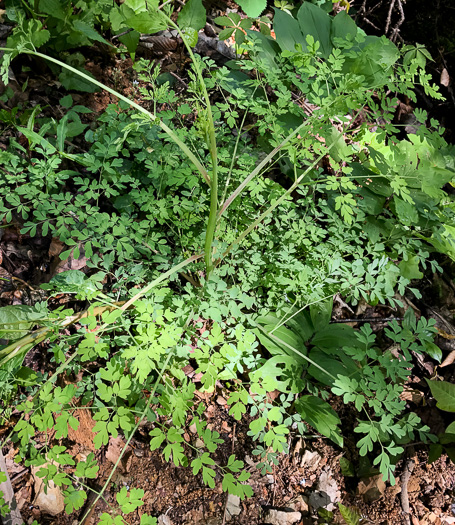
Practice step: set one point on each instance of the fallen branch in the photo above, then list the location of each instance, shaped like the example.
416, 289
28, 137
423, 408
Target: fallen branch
14, 515
408, 468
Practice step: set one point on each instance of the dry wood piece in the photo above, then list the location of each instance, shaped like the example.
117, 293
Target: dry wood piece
408, 468
14, 517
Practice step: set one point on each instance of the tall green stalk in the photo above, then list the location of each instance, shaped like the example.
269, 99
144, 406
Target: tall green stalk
211, 144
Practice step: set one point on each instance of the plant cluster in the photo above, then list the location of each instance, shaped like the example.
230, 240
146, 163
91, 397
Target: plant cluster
277, 182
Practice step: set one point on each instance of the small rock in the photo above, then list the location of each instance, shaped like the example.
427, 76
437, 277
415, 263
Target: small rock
280, 517
114, 450
270, 479
51, 503
233, 505
300, 504
249, 461
326, 494
310, 460
371, 489
164, 520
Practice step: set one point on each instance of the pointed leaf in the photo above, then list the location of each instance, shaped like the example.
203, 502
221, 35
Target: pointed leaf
316, 22
321, 416
287, 31
192, 15
444, 393
253, 8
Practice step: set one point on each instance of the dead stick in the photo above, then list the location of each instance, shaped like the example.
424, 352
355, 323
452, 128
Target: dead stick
13, 517
408, 468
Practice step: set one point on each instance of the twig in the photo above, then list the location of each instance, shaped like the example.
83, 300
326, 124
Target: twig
121, 34
13, 517
389, 16
371, 24
394, 34
408, 468
185, 85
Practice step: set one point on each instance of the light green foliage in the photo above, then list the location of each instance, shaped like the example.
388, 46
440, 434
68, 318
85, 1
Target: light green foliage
129, 501
364, 225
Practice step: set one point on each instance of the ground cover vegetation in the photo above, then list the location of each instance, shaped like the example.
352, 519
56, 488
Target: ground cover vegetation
218, 227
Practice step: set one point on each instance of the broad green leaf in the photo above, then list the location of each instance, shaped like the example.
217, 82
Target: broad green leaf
253, 8
190, 35
321, 416
444, 393
435, 452
26, 377
285, 335
339, 150
148, 23
405, 211
118, 16
433, 350
347, 468
287, 31
301, 324
131, 41
375, 61
71, 81
53, 8
451, 428
433, 179
321, 313
138, 6
316, 22
16, 321
370, 180
342, 26
410, 268
279, 373
226, 33
371, 203
268, 49
192, 16
335, 336
333, 367
66, 101
36, 138
89, 32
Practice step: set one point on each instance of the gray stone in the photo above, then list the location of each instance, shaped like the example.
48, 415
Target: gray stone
280, 517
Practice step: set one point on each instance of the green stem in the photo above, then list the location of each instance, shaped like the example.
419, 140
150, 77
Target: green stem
273, 206
211, 143
258, 169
